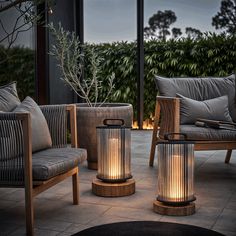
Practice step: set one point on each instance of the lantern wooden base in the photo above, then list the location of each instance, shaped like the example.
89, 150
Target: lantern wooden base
163, 209
103, 189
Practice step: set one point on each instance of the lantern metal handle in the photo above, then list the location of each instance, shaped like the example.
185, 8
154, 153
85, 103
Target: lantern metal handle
106, 122
167, 136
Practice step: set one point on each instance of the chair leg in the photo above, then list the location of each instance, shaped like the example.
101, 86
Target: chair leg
154, 134
75, 185
228, 156
29, 212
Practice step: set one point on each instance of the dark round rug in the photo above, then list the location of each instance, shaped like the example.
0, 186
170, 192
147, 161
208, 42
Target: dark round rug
146, 228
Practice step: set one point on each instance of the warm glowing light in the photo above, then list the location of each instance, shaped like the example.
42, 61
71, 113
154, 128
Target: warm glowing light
175, 172
114, 167
135, 125
147, 124
113, 153
175, 191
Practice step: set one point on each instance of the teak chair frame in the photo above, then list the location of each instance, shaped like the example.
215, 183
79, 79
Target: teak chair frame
33, 188
167, 113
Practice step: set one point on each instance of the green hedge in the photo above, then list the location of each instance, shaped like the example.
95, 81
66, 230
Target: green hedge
210, 56
17, 64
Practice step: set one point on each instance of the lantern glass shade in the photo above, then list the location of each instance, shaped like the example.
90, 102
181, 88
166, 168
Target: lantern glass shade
114, 153
175, 172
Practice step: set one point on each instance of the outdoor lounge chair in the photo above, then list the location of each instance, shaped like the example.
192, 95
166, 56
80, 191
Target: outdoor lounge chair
209, 98
38, 171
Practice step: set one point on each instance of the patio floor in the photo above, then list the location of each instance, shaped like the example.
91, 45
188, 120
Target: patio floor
215, 187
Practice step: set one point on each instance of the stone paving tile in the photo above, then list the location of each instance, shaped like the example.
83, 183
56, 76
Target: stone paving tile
86, 195
142, 199
7, 228
6, 204
224, 232
51, 195
38, 232
14, 215
134, 214
80, 214
17, 195
204, 217
206, 202
45, 206
50, 224
55, 215
231, 205
4, 191
105, 219
147, 183
42, 232
19, 231
226, 221
74, 228
64, 234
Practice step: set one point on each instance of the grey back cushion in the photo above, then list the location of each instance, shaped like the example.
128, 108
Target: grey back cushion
200, 89
212, 109
41, 138
8, 97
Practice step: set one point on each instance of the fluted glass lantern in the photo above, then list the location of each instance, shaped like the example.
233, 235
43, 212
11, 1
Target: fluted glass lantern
175, 184
114, 153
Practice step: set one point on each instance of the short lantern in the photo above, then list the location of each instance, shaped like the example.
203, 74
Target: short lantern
114, 158
175, 184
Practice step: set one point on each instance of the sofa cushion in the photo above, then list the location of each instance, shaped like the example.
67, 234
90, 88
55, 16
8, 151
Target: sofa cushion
41, 138
212, 109
8, 97
207, 134
200, 89
52, 162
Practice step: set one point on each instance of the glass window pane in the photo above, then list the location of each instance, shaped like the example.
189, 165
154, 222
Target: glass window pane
195, 14
110, 26
185, 39
109, 20
17, 49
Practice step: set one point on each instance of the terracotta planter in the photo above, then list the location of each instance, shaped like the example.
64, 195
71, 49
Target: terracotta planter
88, 118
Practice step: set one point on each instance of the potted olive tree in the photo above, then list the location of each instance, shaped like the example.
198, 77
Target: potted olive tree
71, 56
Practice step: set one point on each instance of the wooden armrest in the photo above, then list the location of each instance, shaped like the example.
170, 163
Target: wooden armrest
71, 108
170, 115
167, 108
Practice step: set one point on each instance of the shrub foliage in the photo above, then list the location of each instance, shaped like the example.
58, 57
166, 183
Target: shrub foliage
212, 55
18, 64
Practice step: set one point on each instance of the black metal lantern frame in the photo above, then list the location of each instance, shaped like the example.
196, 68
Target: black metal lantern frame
175, 183
114, 151
175, 171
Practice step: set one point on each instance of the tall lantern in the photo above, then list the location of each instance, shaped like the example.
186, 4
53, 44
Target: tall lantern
175, 184
114, 158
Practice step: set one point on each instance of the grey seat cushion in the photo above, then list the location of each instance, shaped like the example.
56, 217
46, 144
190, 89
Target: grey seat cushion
41, 138
8, 97
208, 134
55, 161
200, 89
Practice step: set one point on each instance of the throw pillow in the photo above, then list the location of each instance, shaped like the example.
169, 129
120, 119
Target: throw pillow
41, 138
8, 97
212, 109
